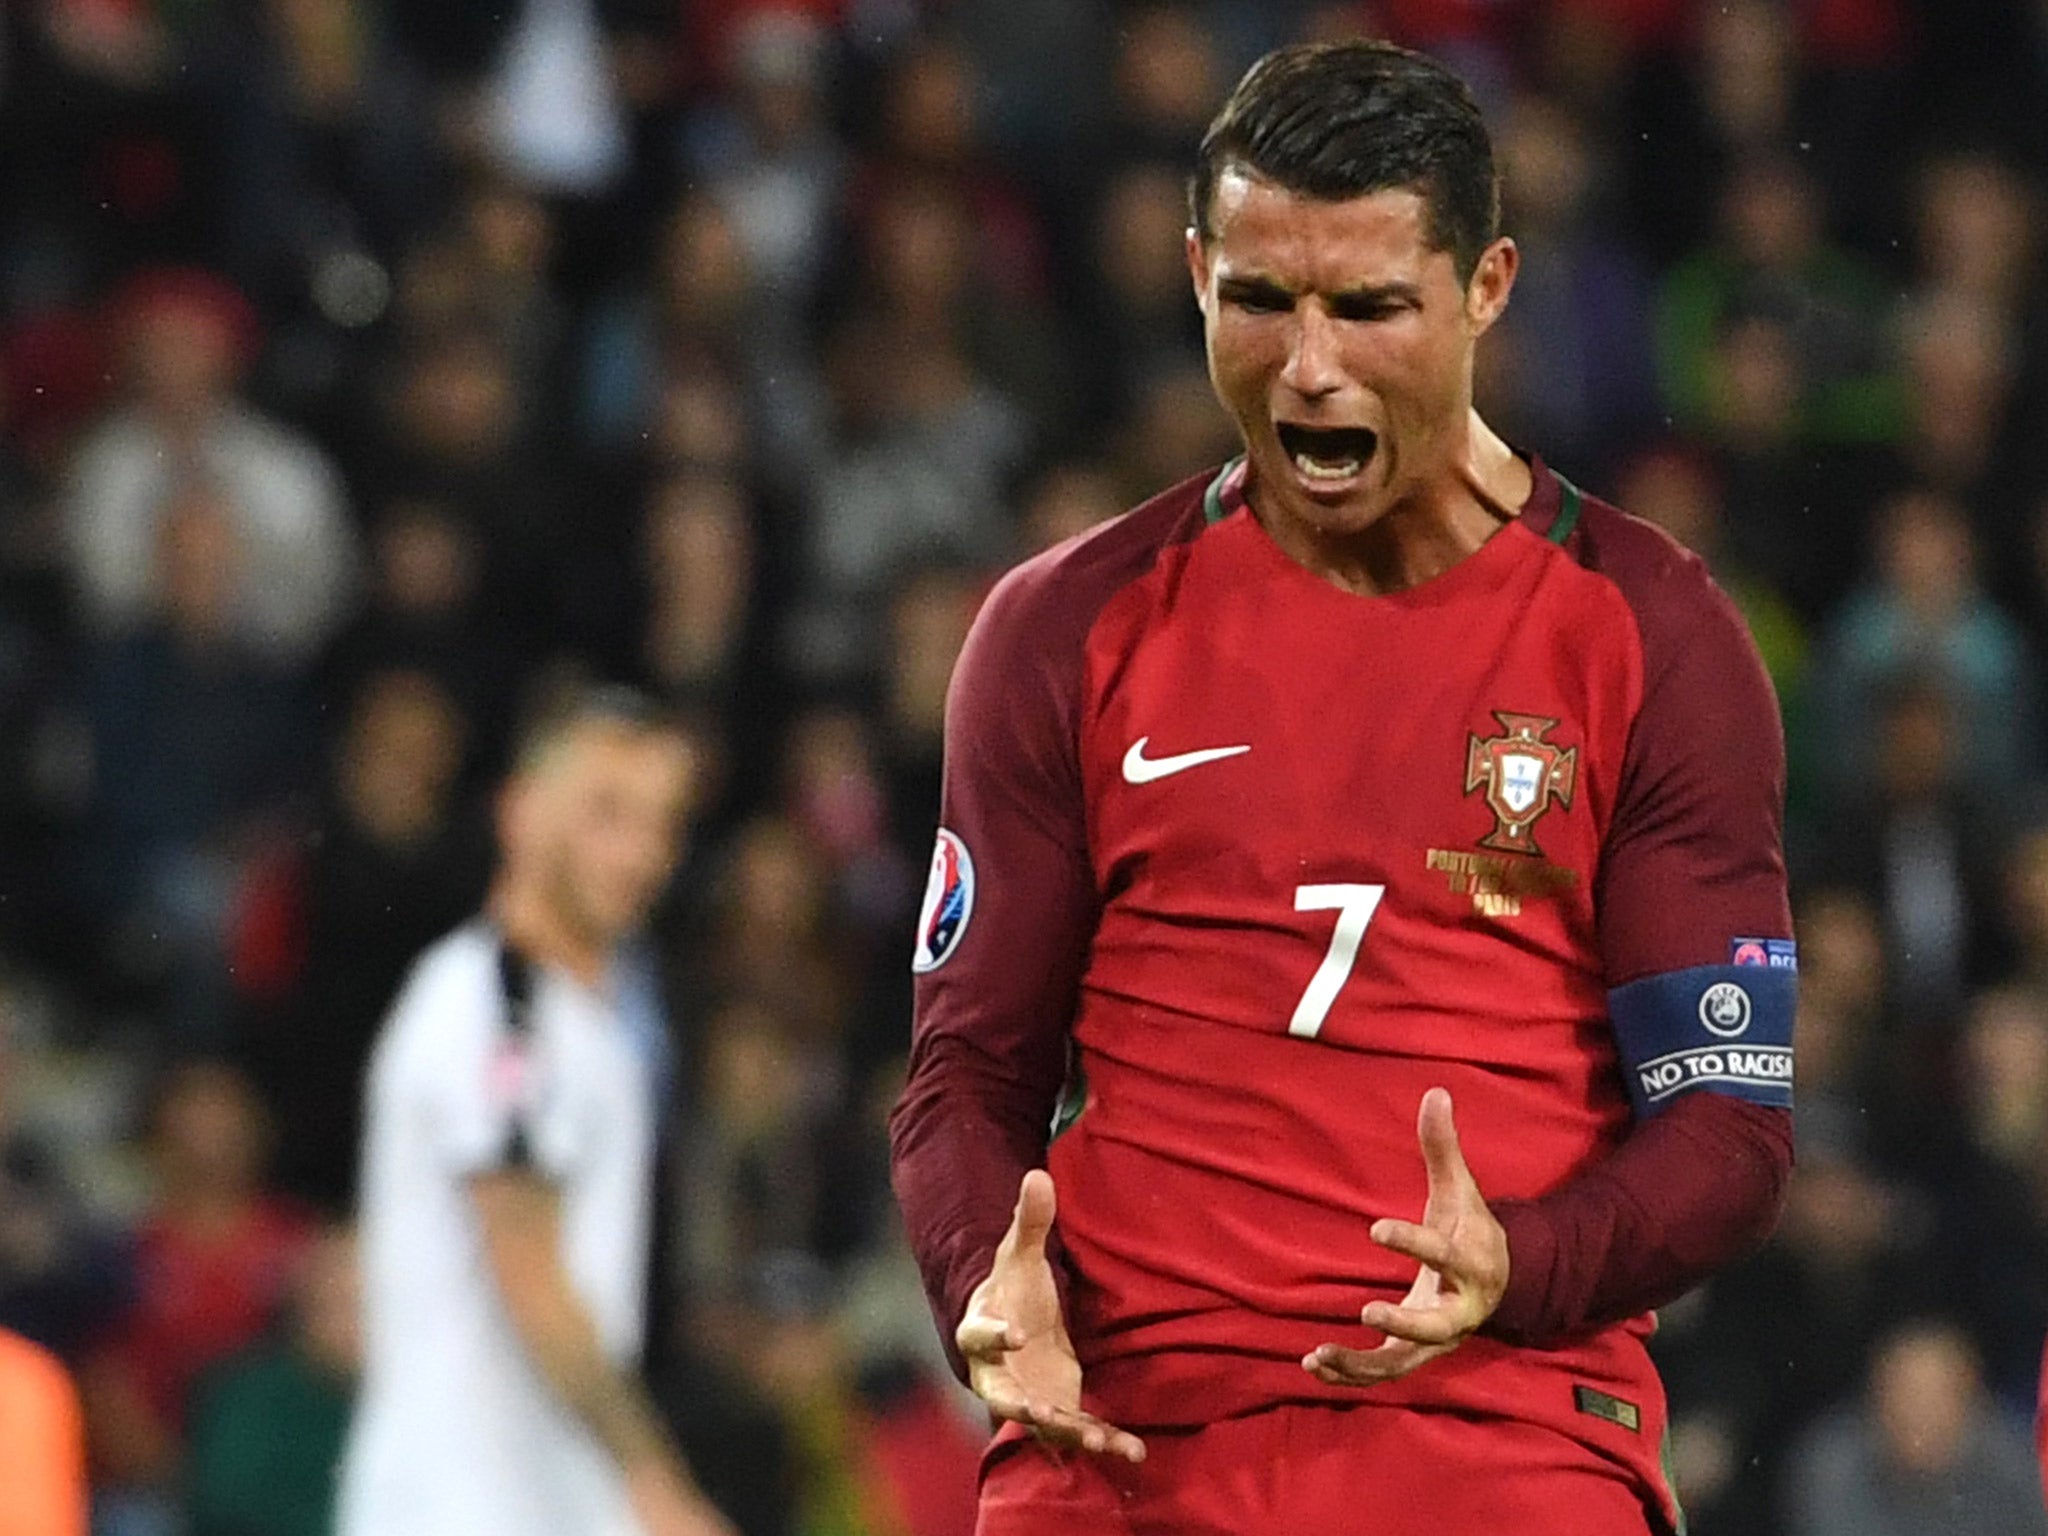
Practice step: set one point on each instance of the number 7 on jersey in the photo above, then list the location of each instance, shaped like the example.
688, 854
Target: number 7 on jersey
1354, 906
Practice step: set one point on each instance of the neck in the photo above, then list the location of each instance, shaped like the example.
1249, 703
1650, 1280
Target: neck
1430, 529
538, 929
204, 1210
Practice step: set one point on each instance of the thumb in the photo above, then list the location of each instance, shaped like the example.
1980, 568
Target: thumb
1032, 1223
1441, 1154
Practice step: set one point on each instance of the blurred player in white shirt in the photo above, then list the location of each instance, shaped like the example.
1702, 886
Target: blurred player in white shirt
507, 1178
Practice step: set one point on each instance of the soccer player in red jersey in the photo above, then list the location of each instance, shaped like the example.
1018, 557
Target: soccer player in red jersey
1380, 772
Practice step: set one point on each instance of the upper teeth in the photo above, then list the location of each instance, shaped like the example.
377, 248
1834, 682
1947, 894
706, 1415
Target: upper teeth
1327, 469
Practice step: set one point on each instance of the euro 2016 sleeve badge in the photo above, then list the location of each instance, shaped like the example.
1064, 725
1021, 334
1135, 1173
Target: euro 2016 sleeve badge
948, 903
1521, 775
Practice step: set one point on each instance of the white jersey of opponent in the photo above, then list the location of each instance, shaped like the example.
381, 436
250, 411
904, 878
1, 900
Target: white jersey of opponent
455, 1432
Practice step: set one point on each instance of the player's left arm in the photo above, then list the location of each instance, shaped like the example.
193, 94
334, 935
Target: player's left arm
1692, 881
1695, 934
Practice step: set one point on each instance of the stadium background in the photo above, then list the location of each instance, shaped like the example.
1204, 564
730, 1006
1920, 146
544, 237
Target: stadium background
367, 369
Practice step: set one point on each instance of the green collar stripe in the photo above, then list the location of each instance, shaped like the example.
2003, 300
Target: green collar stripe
1212, 499
1571, 501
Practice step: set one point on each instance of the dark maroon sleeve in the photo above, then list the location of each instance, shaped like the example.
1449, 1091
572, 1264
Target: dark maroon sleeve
1693, 861
989, 1045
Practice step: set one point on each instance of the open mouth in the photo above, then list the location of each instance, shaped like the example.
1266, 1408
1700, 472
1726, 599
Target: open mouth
1330, 454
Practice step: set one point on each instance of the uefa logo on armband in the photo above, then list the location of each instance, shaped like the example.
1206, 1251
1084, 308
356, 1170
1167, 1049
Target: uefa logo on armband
1725, 1009
948, 903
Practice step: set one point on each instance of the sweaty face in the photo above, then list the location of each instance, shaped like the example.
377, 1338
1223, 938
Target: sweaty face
609, 817
1341, 341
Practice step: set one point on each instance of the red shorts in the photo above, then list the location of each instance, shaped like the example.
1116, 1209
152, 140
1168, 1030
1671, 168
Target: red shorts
1316, 1471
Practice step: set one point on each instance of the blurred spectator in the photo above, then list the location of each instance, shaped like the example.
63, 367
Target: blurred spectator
1990, 1163
320, 140
426, 609
696, 309
1771, 255
42, 1455
1736, 90
1923, 1454
508, 235
61, 1272
1169, 77
396, 859
835, 791
930, 132
1976, 230
928, 274
927, 450
699, 558
1044, 71
754, 1176
1923, 611
195, 732
2024, 911
929, 615
552, 113
1770, 1344
772, 938
1961, 366
1920, 843
875, 1448
776, 167
214, 1255
1854, 1077
731, 1437
268, 1428
1569, 364
673, 603
186, 336
454, 435
1141, 322
703, 420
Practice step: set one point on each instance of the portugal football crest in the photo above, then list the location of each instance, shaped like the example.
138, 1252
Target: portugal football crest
1521, 775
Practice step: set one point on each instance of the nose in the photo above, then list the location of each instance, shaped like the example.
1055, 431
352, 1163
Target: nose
1312, 370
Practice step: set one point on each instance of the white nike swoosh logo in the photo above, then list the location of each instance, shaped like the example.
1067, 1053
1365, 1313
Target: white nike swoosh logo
1140, 769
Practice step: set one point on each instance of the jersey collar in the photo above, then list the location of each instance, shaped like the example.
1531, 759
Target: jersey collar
1551, 511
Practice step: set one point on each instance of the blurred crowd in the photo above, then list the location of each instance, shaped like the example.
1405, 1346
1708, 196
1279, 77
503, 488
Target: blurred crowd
368, 368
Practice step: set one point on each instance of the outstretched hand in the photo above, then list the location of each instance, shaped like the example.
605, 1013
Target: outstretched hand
1464, 1257
1019, 1358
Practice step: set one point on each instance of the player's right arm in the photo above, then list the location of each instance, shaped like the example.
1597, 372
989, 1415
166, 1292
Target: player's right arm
506, 1136
1008, 918
519, 1214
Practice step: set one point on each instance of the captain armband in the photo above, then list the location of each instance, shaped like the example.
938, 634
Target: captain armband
1722, 1028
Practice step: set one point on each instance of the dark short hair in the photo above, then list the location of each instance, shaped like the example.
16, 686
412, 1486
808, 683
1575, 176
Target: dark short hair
566, 710
1341, 120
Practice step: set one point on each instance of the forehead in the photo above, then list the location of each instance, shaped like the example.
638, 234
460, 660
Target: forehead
1262, 229
601, 757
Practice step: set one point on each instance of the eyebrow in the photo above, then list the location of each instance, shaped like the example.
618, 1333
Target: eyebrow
1370, 296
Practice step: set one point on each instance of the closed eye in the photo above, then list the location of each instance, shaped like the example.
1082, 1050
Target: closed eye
1373, 304
1256, 298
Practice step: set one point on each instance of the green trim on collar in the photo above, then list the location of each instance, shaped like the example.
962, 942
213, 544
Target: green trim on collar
1571, 502
1212, 498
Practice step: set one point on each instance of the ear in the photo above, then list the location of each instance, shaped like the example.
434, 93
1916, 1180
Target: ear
512, 812
1198, 267
1493, 278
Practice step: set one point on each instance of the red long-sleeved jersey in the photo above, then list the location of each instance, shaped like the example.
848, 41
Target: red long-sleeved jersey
1245, 863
